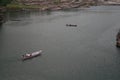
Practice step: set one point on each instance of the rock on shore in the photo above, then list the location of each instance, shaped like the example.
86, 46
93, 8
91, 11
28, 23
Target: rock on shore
52, 4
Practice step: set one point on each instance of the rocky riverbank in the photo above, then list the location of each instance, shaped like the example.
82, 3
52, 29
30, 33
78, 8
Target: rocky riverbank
2, 13
50, 5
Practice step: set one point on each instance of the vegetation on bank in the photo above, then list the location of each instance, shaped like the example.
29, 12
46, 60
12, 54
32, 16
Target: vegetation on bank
4, 2
48, 4
45, 4
16, 6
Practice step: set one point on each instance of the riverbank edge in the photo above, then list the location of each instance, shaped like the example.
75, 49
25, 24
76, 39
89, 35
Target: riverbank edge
51, 6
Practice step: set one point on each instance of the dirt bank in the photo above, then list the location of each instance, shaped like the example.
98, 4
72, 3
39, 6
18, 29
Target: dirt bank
50, 4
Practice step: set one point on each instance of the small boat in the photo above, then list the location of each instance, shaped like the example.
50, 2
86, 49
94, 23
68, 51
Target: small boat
71, 25
31, 55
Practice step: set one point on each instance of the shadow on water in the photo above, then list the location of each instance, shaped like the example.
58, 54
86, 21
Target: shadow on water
0, 27
118, 50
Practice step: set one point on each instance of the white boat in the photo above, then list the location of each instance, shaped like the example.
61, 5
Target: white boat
31, 55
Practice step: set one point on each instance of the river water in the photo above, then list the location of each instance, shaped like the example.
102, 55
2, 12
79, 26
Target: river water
85, 52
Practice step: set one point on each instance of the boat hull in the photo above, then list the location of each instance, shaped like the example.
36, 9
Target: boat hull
32, 55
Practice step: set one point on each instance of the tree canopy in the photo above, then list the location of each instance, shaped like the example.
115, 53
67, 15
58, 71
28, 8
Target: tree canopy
4, 2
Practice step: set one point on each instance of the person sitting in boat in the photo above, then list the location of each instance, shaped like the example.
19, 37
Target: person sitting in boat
28, 55
71, 25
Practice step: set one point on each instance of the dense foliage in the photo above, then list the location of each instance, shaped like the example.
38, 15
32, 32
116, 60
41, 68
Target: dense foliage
4, 2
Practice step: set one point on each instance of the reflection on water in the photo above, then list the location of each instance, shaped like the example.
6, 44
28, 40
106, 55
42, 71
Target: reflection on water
0, 28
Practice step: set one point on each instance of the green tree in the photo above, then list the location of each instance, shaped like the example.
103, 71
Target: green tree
4, 2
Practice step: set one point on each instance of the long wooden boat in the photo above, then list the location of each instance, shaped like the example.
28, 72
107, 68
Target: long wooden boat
31, 55
71, 25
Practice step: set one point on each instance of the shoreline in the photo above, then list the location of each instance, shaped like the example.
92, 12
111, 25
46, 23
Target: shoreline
50, 6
